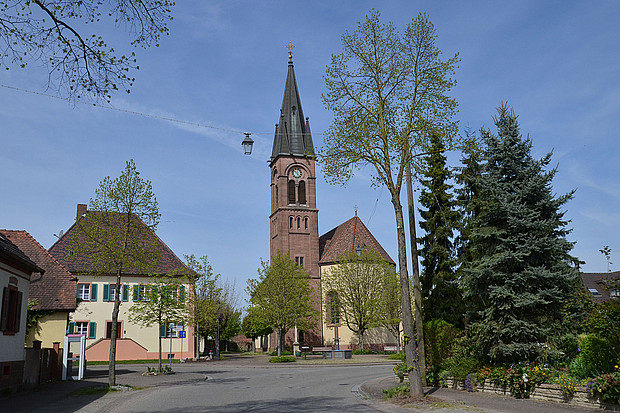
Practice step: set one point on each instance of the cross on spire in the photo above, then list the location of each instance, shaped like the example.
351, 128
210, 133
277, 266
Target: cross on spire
290, 46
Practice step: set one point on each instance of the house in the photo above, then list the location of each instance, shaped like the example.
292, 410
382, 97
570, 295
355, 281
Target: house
54, 291
16, 270
96, 295
596, 284
294, 214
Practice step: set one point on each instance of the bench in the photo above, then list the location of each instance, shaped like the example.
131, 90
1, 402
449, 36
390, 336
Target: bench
390, 348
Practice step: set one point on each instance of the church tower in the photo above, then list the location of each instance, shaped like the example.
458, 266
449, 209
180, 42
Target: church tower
294, 219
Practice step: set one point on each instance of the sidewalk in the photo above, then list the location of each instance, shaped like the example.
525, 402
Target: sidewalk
465, 401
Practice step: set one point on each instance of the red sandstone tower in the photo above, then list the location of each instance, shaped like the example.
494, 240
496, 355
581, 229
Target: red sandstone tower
294, 219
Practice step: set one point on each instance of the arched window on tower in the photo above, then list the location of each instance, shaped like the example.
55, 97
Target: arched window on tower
302, 192
306, 223
298, 222
291, 192
290, 222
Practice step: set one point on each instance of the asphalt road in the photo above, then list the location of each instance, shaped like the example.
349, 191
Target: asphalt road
257, 389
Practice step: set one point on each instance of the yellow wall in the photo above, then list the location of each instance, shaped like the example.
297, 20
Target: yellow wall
101, 311
377, 336
51, 329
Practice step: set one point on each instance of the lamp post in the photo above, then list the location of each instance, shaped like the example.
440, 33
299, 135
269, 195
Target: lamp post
247, 144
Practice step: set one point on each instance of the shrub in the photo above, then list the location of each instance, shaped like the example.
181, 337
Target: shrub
397, 356
595, 357
463, 361
282, 359
439, 340
607, 386
284, 353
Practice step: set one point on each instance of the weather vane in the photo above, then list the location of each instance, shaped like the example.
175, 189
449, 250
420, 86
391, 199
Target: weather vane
290, 46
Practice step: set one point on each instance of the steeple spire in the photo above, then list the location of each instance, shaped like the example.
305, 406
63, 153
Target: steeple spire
292, 136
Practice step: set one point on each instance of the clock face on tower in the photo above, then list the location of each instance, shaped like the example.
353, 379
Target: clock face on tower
296, 173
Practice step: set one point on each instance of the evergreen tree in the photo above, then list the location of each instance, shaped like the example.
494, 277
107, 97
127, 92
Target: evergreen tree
442, 298
520, 273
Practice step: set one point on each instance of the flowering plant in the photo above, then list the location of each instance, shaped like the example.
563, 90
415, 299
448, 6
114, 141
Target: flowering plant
607, 386
567, 383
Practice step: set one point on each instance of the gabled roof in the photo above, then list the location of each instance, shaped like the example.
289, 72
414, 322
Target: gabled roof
12, 253
168, 261
292, 136
53, 290
347, 237
595, 284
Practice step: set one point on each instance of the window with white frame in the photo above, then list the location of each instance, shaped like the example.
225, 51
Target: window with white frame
143, 293
614, 293
81, 327
112, 294
83, 292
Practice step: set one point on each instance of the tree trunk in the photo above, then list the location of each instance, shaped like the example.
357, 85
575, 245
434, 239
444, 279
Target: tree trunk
117, 305
279, 337
415, 378
417, 295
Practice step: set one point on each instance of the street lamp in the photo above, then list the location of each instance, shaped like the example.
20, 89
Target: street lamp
247, 144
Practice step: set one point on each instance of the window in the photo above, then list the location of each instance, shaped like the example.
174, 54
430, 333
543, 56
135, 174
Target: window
144, 293
290, 222
594, 292
291, 192
299, 261
334, 307
81, 327
112, 292
614, 293
83, 292
302, 192
298, 222
167, 331
11, 310
306, 223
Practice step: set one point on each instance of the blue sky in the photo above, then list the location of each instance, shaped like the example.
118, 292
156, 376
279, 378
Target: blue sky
224, 66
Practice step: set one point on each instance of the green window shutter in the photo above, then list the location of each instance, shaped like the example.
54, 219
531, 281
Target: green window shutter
162, 330
106, 292
93, 292
71, 327
182, 293
92, 329
136, 291
125, 292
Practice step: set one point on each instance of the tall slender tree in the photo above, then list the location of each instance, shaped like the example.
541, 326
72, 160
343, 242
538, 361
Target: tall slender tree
520, 271
440, 289
387, 90
115, 236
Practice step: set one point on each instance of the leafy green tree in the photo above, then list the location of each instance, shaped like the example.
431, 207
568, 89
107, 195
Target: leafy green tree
358, 280
53, 33
387, 90
283, 296
254, 325
439, 220
390, 310
162, 301
520, 272
115, 235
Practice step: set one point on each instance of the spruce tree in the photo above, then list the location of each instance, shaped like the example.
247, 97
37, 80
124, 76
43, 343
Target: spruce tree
440, 290
520, 269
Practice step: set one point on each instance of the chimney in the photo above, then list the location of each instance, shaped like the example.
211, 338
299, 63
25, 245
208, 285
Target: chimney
81, 211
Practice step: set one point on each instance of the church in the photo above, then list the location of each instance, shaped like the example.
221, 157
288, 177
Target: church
294, 221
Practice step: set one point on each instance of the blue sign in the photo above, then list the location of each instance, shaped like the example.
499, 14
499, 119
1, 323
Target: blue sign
182, 334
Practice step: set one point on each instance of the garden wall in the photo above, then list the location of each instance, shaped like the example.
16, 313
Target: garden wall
544, 392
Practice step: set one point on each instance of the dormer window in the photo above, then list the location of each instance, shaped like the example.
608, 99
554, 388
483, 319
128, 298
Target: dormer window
594, 292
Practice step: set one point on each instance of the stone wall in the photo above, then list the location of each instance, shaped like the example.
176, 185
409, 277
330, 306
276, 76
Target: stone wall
544, 392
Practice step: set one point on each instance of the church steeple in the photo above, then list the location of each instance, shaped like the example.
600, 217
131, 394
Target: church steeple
292, 136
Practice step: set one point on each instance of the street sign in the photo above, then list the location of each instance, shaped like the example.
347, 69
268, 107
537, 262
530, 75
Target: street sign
178, 327
182, 334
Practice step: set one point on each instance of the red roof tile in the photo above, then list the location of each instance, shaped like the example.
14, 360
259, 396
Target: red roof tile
55, 289
347, 237
168, 261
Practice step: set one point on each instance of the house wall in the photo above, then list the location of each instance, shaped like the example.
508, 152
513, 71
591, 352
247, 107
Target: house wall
13, 353
100, 312
375, 337
51, 329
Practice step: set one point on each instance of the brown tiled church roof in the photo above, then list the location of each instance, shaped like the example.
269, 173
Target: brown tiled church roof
167, 264
55, 288
347, 237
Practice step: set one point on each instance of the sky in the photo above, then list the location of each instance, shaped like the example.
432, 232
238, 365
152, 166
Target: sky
221, 71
